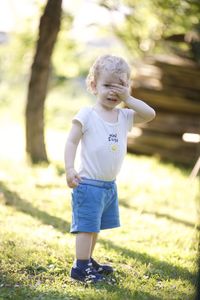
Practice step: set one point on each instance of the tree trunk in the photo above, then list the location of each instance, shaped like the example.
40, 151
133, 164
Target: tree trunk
48, 31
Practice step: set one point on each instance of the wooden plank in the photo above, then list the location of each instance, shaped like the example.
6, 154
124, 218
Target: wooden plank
173, 123
167, 141
188, 159
184, 154
171, 85
164, 102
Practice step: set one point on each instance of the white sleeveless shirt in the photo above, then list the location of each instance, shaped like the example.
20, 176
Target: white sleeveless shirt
103, 144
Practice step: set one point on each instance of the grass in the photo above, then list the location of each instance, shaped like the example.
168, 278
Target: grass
154, 251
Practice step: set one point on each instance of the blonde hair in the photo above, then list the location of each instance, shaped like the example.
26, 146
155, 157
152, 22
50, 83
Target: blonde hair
111, 63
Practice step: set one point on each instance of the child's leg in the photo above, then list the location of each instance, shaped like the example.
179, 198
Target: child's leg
84, 242
82, 269
94, 240
101, 269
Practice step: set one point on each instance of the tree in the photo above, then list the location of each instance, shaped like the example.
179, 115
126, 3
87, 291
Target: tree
38, 84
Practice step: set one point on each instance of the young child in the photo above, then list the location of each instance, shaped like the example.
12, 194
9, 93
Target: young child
102, 130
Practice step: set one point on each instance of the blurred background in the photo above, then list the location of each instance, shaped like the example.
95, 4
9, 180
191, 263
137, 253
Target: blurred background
46, 50
161, 41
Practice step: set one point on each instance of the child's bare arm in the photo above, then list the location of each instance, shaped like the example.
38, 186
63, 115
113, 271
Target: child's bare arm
143, 112
70, 153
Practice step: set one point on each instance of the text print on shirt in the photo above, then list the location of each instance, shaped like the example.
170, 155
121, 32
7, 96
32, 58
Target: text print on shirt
113, 140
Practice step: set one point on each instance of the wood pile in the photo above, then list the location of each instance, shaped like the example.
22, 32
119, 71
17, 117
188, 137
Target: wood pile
171, 85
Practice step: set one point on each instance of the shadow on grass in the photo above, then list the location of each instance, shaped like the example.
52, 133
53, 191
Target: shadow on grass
162, 268
159, 215
13, 199
22, 292
10, 288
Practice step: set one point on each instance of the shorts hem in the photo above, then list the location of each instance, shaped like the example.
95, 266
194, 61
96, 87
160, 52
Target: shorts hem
110, 226
84, 230
96, 230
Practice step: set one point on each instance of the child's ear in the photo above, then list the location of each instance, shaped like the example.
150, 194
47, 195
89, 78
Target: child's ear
94, 87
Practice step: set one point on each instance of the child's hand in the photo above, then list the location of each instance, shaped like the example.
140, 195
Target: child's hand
121, 91
73, 179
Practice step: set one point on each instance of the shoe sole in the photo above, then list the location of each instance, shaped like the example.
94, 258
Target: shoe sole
104, 272
85, 281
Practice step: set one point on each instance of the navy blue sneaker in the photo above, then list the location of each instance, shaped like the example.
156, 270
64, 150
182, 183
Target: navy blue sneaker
101, 268
88, 274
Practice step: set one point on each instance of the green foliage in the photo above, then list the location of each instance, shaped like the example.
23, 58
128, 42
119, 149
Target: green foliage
178, 16
138, 26
148, 23
16, 55
63, 62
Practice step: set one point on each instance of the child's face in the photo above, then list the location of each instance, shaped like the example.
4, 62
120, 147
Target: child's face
103, 88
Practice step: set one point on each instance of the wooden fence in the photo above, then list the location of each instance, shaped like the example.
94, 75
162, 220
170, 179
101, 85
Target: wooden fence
171, 85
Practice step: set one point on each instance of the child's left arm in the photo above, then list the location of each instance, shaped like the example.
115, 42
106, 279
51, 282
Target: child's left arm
143, 112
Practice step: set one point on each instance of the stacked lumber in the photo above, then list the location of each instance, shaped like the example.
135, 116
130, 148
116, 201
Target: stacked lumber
171, 85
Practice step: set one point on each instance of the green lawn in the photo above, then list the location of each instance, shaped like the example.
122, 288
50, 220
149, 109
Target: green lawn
154, 251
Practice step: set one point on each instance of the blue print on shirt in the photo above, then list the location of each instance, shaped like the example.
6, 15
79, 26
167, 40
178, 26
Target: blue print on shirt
113, 138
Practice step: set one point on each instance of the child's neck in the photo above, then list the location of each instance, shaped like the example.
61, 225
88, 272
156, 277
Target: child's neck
107, 114
99, 107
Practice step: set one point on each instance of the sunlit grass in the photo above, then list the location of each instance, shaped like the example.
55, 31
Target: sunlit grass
153, 252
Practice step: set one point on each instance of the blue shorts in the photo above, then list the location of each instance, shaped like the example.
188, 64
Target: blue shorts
94, 206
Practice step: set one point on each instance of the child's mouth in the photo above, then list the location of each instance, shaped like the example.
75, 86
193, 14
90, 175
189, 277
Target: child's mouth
113, 100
